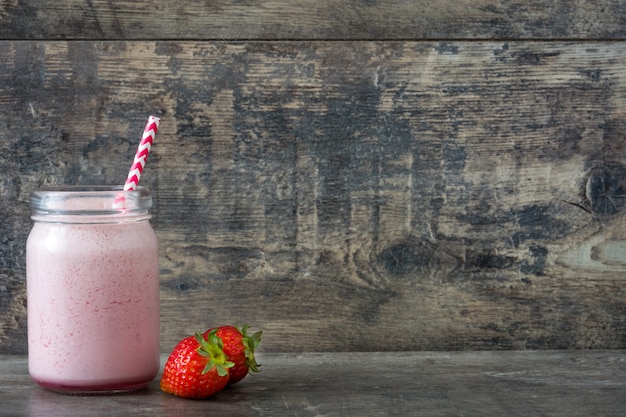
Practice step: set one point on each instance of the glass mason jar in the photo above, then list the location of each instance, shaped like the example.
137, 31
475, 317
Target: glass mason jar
93, 290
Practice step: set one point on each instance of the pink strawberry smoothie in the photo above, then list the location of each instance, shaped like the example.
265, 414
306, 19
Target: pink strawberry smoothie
93, 306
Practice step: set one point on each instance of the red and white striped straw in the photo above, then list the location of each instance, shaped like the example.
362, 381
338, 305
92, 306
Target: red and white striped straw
149, 133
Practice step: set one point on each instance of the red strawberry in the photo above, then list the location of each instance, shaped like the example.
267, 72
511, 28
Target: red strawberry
239, 348
196, 368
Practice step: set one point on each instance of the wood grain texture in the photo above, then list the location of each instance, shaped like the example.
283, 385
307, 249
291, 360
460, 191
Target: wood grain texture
312, 19
425, 384
343, 195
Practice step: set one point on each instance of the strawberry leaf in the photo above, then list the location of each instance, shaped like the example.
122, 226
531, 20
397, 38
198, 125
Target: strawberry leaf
250, 344
211, 348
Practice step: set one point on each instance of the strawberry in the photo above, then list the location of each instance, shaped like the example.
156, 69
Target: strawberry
197, 368
239, 348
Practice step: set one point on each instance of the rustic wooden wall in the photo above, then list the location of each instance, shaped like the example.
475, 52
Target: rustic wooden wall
357, 175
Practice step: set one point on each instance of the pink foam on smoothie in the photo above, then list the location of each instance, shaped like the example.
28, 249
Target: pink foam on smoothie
93, 305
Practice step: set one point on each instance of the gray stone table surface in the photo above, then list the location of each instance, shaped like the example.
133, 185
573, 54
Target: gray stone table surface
494, 383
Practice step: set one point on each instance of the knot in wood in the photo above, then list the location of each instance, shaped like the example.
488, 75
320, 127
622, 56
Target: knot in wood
404, 257
605, 190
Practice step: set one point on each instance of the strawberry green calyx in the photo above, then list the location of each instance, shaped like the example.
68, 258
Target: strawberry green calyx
250, 344
212, 348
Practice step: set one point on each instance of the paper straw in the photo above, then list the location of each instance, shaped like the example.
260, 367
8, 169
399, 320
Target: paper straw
141, 155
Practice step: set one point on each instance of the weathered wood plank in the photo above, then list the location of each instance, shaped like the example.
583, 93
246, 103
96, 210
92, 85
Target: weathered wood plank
344, 196
433, 384
313, 19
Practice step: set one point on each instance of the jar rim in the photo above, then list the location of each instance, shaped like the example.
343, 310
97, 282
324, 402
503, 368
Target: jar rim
89, 200
88, 188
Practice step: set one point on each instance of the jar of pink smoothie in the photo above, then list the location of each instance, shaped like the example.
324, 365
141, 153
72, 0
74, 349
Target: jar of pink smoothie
93, 290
